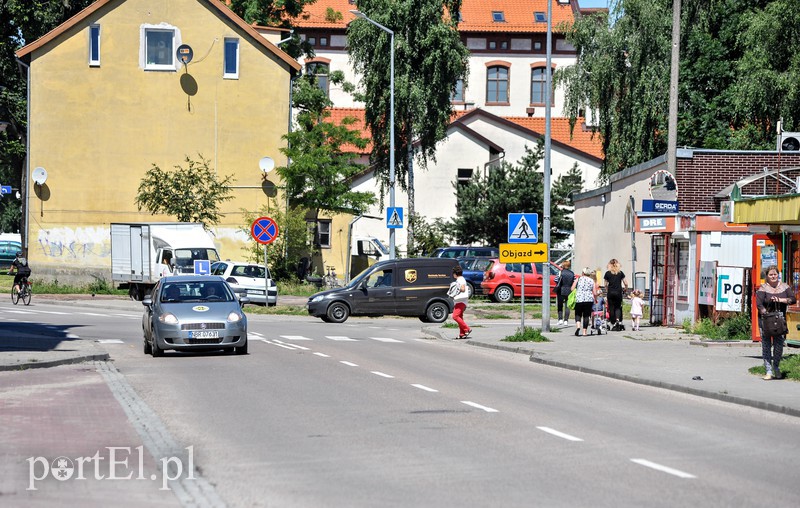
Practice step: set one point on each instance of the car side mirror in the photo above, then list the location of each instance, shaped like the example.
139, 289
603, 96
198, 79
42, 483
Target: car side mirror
147, 301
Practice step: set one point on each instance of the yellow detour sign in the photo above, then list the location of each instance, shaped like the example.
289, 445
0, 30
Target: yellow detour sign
523, 253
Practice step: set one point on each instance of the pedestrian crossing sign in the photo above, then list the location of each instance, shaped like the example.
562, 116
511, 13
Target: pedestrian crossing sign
523, 228
394, 217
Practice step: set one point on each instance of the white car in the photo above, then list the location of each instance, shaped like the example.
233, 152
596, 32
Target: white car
248, 278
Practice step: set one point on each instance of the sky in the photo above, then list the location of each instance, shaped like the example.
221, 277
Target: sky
593, 3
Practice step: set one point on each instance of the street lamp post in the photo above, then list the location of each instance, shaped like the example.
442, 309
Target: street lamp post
391, 122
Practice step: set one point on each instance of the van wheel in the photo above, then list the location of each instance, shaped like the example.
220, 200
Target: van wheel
437, 312
338, 312
504, 294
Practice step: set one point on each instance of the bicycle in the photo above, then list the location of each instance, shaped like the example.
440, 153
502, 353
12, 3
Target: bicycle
25, 292
331, 281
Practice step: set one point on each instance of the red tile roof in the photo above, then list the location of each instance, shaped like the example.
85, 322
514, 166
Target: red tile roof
339, 114
581, 139
476, 15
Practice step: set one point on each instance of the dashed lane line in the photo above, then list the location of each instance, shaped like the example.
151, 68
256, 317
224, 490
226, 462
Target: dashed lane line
382, 374
294, 337
426, 388
559, 434
478, 406
349, 364
385, 339
340, 338
663, 469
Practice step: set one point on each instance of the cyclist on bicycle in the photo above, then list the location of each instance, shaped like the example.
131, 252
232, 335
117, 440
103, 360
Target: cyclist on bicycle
23, 271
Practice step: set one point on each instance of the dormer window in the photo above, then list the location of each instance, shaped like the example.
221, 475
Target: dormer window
540, 17
498, 16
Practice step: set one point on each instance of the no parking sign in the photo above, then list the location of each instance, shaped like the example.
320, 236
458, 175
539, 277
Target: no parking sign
264, 230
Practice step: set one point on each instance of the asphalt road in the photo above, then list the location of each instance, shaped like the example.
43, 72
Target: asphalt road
371, 413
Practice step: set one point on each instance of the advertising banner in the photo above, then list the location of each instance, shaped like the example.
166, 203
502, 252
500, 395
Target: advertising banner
730, 286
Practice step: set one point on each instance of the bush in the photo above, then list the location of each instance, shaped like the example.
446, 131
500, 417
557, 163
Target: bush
527, 335
735, 327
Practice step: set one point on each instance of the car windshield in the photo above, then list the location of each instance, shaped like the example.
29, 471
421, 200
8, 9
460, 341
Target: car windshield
201, 291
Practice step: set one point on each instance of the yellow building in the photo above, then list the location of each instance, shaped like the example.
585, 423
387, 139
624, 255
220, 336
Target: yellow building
109, 97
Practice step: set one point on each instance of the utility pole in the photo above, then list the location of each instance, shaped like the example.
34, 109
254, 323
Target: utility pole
672, 130
546, 212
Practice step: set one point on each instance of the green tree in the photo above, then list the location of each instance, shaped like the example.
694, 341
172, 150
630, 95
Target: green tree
739, 74
429, 235
429, 60
322, 154
190, 194
292, 243
485, 201
277, 13
21, 21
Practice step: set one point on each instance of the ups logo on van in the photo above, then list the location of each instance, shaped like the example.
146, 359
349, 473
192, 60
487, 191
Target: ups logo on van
411, 276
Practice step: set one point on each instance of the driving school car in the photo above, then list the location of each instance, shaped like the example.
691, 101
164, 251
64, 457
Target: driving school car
193, 313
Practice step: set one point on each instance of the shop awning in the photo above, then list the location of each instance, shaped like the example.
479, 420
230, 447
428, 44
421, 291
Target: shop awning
768, 210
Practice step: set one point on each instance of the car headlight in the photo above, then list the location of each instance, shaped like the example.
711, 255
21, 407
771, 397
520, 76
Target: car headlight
234, 317
168, 319
317, 299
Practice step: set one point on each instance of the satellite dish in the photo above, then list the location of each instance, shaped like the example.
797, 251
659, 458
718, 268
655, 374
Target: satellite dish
39, 175
266, 164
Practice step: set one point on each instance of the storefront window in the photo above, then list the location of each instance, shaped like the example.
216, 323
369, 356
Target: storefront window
682, 265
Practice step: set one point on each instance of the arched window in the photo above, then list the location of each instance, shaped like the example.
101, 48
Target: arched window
320, 71
539, 85
497, 84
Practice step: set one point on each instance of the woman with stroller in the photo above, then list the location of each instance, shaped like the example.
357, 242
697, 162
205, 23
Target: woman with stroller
616, 285
562, 290
585, 288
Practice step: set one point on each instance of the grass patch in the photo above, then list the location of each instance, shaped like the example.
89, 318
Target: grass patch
736, 327
527, 334
790, 368
450, 324
283, 310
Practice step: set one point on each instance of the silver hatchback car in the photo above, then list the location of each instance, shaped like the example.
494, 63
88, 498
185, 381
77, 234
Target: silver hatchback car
193, 313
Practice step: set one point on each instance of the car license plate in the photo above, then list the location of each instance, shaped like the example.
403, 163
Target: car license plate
204, 334
254, 292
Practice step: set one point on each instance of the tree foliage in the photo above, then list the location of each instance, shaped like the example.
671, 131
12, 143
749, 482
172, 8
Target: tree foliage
429, 59
322, 154
190, 194
739, 74
276, 13
485, 201
21, 21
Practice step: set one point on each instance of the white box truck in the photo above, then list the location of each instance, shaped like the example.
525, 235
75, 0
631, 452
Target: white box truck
137, 250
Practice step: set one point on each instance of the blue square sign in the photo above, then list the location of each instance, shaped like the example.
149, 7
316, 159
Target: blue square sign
202, 267
394, 217
523, 228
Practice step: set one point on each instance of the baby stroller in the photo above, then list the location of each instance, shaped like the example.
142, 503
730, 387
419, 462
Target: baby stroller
599, 317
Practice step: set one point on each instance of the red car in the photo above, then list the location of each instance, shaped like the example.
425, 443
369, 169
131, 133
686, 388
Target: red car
502, 282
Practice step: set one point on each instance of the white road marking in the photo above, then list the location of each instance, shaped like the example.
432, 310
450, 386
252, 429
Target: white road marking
385, 339
92, 314
559, 434
473, 404
73, 336
21, 312
664, 469
136, 316
55, 312
351, 364
277, 344
322, 355
110, 341
423, 387
256, 334
381, 374
340, 338
293, 346
294, 337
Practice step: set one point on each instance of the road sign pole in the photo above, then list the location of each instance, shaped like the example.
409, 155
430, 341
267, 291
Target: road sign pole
522, 302
266, 279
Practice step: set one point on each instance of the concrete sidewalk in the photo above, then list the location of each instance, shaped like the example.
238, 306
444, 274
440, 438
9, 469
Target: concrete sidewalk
656, 356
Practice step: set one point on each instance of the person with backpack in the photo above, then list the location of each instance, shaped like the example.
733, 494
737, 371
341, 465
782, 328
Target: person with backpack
563, 289
21, 268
